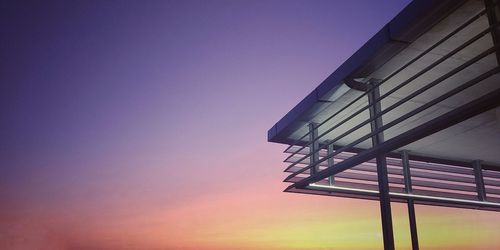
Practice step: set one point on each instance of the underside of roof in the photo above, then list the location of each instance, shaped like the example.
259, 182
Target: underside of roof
426, 87
417, 28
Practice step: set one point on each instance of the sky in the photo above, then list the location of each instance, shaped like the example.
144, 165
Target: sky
143, 125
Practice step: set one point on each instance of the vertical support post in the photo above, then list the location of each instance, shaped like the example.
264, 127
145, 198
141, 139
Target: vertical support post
493, 11
383, 179
405, 162
478, 174
313, 135
331, 179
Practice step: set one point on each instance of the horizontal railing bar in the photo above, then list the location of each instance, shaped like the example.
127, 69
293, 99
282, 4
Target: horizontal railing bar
492, 205
305, 151
449, 35
341, 156
494, 199
297, 158
491, 174
396, 169
361, 167
430, 184
418, 198
397, 162
491, 182
394, 162
418, 191
398, 179
492, 191
337, 193
420, 159
340, 183
417, 173
297, 172
441, 167
356, 176
400, 198
347, 184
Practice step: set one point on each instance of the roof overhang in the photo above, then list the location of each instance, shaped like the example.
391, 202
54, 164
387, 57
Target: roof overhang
422, 94
403, 29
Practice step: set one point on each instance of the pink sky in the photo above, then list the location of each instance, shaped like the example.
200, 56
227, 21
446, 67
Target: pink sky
142, 125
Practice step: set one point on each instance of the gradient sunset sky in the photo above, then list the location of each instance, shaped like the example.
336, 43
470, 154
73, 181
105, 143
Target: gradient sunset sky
143, 125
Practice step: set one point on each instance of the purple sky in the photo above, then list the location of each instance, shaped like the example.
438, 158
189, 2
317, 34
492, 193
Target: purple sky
111, 109
88, 83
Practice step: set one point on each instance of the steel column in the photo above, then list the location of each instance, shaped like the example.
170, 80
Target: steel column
478, 174
313, 135
493, 11
383, 179
405, 162
331, 179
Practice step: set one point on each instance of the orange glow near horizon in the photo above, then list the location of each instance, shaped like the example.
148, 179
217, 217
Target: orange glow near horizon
142, 125
265, 218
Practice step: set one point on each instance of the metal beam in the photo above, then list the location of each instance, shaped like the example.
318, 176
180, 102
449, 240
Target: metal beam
493, 11
400, 197
313, 139
478, 174
331, 179
382, 176
405, 160
415, 157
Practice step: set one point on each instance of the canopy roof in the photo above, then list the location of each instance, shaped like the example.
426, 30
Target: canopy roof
426, 84
420, 25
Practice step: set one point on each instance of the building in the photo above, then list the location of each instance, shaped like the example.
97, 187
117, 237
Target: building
413, 116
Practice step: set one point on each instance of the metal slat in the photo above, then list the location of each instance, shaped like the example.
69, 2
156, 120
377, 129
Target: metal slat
440, 167
397, 162
492, 205
428, 165
399, 179
494, 199
344, 183
397, 170
491, 174
343, 194
490, 190
418, 191
419, 173
491, 182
